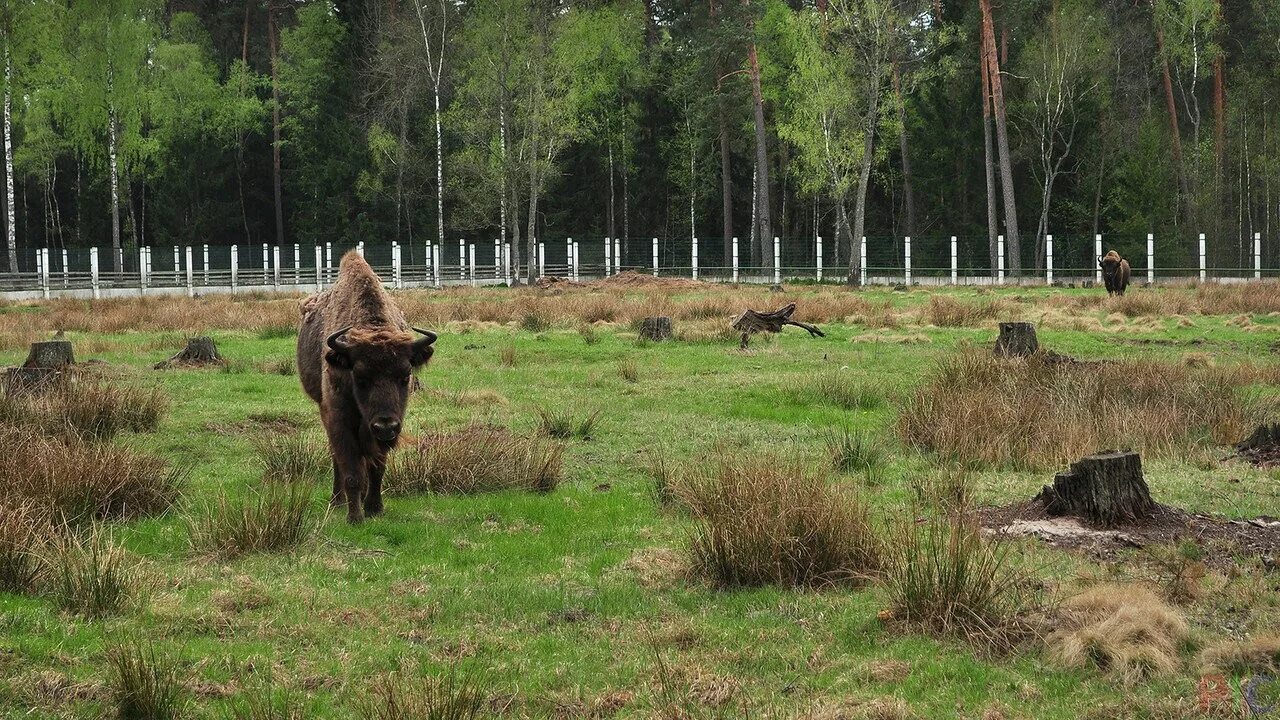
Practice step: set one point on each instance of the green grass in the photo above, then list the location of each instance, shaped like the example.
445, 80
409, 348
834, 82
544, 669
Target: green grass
561, 599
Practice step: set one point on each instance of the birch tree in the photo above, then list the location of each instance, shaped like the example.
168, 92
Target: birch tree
434, 22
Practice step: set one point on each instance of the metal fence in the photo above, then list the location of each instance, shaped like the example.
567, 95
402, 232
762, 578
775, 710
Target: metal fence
194, 269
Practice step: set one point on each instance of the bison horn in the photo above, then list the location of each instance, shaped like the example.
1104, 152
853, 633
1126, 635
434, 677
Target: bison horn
431, 337
336, 341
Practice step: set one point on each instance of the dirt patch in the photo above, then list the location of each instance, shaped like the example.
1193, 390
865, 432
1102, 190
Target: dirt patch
1163, 526
259, 422
634, 279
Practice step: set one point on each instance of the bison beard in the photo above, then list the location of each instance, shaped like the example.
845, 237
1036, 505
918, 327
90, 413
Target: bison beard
1115, 272
356, 358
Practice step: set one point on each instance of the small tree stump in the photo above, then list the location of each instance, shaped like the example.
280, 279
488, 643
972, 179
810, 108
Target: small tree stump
1017, 339
656, 328
50, 354
751, 322
199, 351
1106, 488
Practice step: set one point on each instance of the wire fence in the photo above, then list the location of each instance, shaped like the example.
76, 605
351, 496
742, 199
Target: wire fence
939, 260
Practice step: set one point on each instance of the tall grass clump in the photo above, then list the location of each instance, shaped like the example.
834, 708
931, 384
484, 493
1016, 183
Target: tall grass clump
945, 311
477, 458
24, 536
563, 424
88, 573
1123, 630
275, 518
944, 577
852, 451
86, 408
835, 387
145, 684
775, 521
291, 457
270, 703
627, 370
81, 480
450, 697
977, 410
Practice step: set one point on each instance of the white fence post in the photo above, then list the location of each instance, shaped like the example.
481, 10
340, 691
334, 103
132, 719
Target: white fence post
395, 265
65, 279
275, 265
44, 271
462, 259
328, 262
93, 272
1000, 259
319, 268
497, 259
297, 264
1151, 259
542, 259
1203, 269
1097, 257
191, 286
576, 265
955, 262
819, 258
777, 261
694, 258
120, 261
617, 256
1257, 256
506, 263
1048, 259
177, 265
735, 259
862, 260
568, 258
205, 250
906, 259
471, 255
608, 248
266, 264
655, 257
235, 266
142, 269
435, 266
360, 248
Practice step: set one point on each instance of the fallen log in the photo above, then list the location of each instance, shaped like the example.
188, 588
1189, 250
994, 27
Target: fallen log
751, 322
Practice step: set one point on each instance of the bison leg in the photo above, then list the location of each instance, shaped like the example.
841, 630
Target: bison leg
336, 499
373, 498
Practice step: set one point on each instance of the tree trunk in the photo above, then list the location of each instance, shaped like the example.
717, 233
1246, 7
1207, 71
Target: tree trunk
908, 193
1014, 252
762, 162
11, 233
275, 123
1171, 107
439, 165
993, 222
613, 193
1219, 103
1107, 488
726, 184
864, 178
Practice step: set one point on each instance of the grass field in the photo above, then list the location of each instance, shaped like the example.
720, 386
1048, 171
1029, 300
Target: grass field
579, 602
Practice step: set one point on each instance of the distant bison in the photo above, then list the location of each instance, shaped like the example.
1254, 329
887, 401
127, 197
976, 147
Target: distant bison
356, 358
1115, 272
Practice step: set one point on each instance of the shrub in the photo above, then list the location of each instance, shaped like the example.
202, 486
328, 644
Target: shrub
978, 410
276, 518
144, 683
395, 697
1124, 630
836, 388
852, 451
82, 480
23, 536
477, 458
563, 425
89, 574
761, 521
944, 577
628, 371
291, 457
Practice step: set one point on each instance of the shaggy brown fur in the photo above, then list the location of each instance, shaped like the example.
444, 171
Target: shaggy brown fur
356, 357
1115, 272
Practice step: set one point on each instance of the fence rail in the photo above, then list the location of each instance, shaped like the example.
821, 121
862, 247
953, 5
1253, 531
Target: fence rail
937, 260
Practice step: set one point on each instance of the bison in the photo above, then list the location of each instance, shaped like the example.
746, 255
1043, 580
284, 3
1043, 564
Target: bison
356, 359
1115, 272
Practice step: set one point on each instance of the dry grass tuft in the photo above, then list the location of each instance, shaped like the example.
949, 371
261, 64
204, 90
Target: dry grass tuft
24, 536
835, 387
508, 356
945, 311
81, 480
145, 684
450, 697
86, 407
1124, 630
1259, 655
270, 703
88, 573
944, 577
465, 398
478, 458
291, 457
279, 517
978, 410
853, 451
774, 521
627, 370
563, 424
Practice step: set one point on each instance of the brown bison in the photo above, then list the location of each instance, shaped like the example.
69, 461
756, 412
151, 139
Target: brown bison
356, 358
1115, 272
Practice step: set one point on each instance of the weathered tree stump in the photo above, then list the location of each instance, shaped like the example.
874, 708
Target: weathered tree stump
751, 322
199, 351
656, 328
1017, 339
1262, 448
50, 354
1106, 489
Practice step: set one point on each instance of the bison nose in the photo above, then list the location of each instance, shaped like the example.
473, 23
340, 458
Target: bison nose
385, 428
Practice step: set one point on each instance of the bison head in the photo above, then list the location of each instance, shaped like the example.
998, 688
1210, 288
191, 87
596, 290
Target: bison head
1109, 263
380, 365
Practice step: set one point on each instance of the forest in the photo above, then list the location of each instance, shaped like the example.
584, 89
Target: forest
148, 122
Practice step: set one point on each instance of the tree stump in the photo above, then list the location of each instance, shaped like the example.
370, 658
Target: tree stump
199, 351
50, 354
1105, 489
1017, 339
656, 328
751, 322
